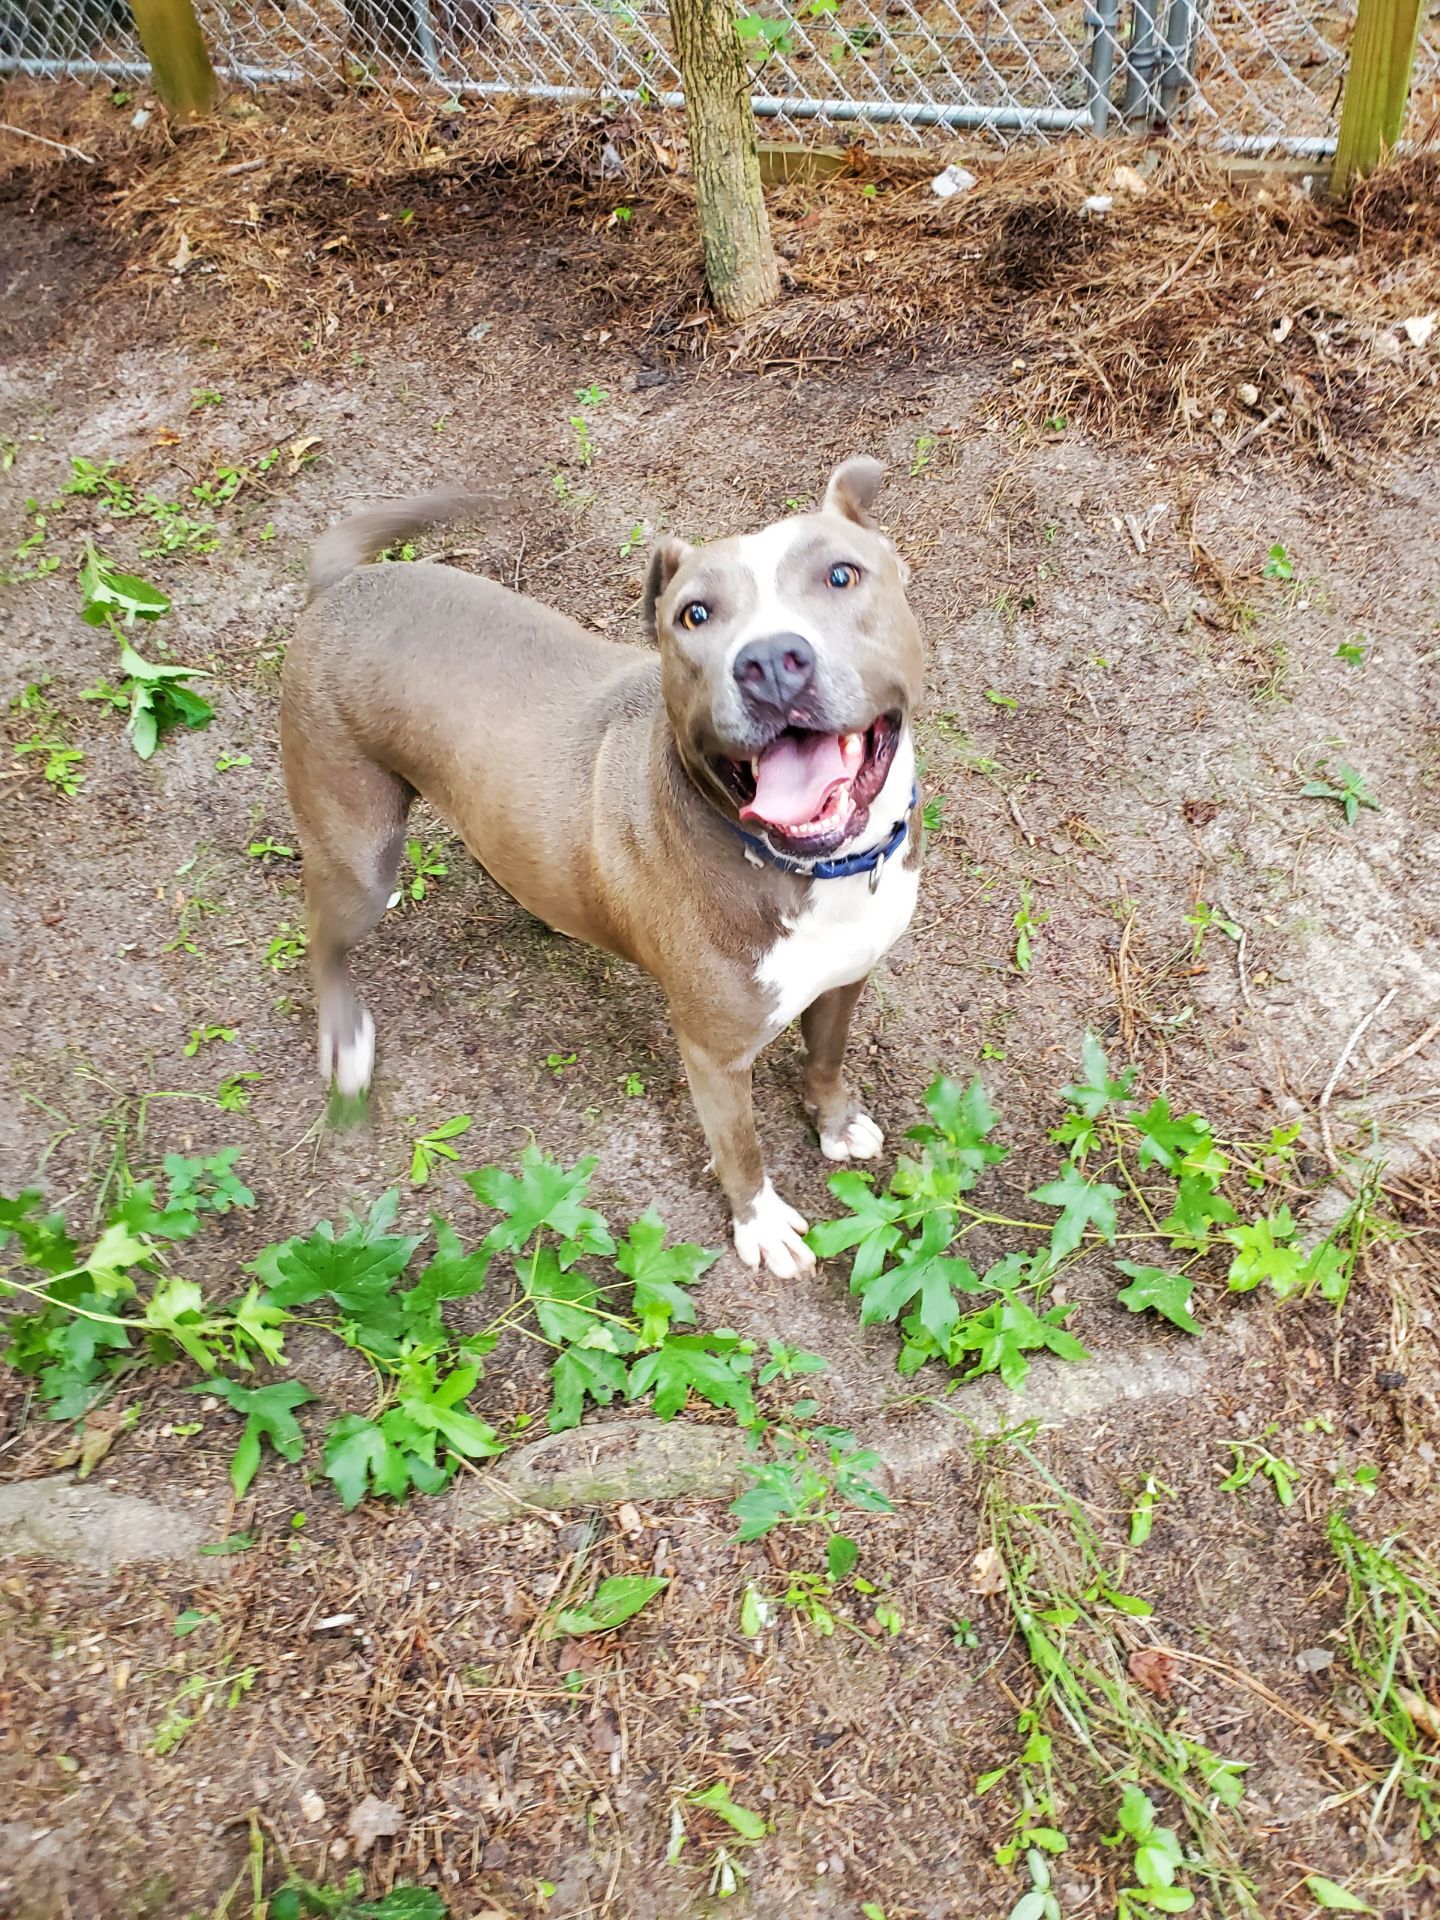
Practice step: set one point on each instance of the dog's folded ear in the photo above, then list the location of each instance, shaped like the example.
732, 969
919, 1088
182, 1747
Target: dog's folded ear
665, 560
852, 489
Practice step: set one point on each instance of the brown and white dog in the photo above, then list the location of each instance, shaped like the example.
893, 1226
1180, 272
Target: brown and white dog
738, 814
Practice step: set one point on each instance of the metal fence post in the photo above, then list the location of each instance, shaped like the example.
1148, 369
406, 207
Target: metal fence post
1181, 27
179, 59
1101, 17
1142, 57
1382, 54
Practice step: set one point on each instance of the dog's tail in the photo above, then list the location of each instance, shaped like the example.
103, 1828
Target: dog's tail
351, 543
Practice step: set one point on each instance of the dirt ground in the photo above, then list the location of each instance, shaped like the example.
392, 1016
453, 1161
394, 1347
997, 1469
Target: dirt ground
1122, 711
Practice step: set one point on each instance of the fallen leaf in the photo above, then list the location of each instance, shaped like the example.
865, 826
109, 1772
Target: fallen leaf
166, 437
312, 1806
1423, 1712
987, 1572
1127, 180
298, 450
1153, 1669
183, 255
1282, 329
605, 1732
628, 1517
1200, 813
373, 1819
1419, 329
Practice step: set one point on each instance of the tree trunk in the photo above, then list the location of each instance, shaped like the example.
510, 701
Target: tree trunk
1382, 53
734, 230
179, 62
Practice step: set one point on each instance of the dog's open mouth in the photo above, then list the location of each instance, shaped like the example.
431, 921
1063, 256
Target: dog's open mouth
813, 789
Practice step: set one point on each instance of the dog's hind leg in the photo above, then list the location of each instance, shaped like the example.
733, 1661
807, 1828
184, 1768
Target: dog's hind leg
351, 817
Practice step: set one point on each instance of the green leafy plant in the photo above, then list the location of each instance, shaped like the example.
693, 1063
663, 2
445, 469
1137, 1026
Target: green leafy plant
286, 948
1059, 1581
1204, 918
1278, 564
158, 698
1345, 787
1248, 1459
62, 763
433, 1147
1025, 923
719, 1801
613, 1602
204, 1037
303, 1900
1392, 1644
810, 1474
1158, 1862
426, 865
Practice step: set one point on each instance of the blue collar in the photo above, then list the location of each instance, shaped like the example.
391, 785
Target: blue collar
871, 861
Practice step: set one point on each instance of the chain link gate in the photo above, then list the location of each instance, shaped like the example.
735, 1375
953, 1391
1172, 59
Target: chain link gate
1251, 75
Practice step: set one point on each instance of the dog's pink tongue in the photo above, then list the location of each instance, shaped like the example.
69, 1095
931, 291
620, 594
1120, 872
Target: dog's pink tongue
795, 777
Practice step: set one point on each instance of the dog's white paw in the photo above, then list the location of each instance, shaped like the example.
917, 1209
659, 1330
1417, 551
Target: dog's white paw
349, 1063
770, 1235
861, 1140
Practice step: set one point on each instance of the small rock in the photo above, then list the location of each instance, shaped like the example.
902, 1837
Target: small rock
1098, 203
312, 1806
140, 119
952, 181
1314, 1659
1419, 329
480, 329
1248, 394
1127, 180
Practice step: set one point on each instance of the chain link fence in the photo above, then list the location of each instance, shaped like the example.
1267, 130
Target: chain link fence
1251, 75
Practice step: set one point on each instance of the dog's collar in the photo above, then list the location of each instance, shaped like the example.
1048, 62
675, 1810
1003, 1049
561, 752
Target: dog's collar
872, 861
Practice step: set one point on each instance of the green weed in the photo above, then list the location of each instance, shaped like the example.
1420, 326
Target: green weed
1392, 1642
1345, 787
433, 1147
1060, 1582
157, 697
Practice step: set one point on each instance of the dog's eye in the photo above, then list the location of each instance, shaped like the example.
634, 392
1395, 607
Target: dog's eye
695, 615
844, 575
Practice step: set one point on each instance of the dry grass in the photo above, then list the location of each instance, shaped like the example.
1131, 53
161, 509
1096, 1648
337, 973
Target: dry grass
1232, 315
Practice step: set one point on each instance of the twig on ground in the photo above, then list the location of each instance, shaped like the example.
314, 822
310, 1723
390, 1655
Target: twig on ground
1258, 1687
57, 146
1340, 1065
1405, 1053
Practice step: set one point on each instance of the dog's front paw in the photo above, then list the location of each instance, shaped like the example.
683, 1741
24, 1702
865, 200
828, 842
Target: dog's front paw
770, 1234
348, 1061
859, 1139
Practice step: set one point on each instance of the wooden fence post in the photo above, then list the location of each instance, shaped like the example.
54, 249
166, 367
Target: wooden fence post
179, 60
1382, 53
734, 228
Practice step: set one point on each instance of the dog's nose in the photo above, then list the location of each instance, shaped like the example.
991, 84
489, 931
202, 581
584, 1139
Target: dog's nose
775, 672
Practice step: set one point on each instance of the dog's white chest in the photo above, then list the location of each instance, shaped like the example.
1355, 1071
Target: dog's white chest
846, 929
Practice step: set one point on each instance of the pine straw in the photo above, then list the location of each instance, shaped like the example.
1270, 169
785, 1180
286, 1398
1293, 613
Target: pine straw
1231, 314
